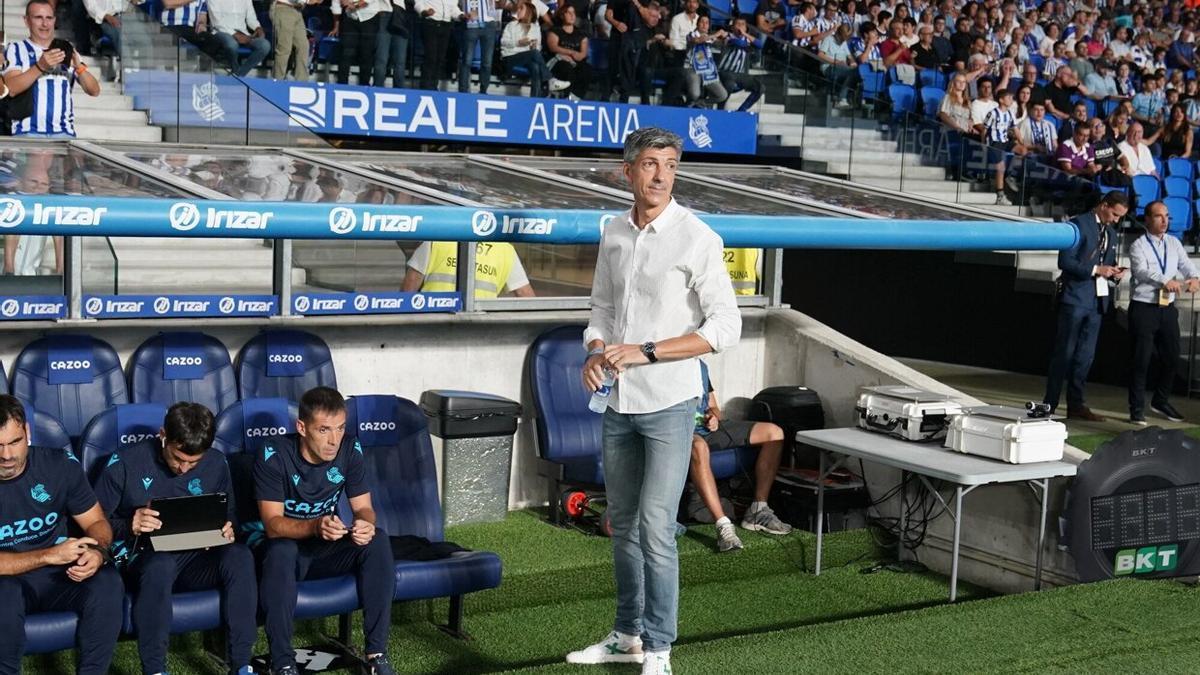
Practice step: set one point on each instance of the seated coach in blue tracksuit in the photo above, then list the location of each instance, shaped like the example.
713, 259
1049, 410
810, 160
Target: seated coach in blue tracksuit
176, 463
298, 480
42, 567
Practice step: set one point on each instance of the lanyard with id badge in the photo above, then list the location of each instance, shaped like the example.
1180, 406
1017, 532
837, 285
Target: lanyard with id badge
1101, 281
1165, 297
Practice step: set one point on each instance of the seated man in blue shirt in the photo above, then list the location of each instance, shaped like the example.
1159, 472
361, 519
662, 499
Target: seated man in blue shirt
177, 463
42, 567
713, 434
298, 480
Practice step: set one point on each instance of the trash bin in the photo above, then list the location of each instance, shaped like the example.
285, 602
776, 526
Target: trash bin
476, 437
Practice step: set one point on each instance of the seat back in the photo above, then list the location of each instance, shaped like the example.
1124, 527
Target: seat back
1146, 188
1180, 210
45, 431
872, 80
1181, 167
903, 98
247, 424
115, 428
72, 377
184, 366
932, 78
566, 429
394, 436
931, 100
284, 364
1178, 186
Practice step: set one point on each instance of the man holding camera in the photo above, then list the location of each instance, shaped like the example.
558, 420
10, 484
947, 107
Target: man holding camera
177, 463
40, 76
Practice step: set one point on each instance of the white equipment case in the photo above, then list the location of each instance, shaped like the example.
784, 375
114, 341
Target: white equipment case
1008, 434
905, 412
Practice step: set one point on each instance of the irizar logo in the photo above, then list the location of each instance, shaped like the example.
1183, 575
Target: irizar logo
39, 494
226, 305
205, 102
302, 303
184, 361
483, 223
377, 426
93, 306
185, 216
10, 307
55, 215
258, 432
70, 365
162, 305
361, 302
418, 301
343, 220
528, 225
25, 526
129, 439
12, 212
1146, 560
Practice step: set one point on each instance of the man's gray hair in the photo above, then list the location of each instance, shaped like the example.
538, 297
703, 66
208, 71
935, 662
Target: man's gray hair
650, 138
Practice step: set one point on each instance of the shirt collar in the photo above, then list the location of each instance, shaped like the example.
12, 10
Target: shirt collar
664, 219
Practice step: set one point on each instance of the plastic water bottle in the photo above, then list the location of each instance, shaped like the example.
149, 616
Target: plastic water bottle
599, 402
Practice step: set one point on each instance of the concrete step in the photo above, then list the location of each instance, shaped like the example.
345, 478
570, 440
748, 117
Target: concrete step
863, 169
102, 131
362, 278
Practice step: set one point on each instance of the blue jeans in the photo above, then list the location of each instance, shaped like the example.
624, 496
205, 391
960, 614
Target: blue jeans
390, 50
646, 458
227, 46
113, 34
532, 61
486, 36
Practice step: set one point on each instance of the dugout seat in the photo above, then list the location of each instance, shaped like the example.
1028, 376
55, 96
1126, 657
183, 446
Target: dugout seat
183, 366
45, 431
284, 364
72, 377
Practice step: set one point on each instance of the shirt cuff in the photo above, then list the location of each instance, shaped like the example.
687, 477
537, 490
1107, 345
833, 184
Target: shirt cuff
590, 334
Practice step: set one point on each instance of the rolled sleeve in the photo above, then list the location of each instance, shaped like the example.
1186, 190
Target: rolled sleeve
722, 327
251, 17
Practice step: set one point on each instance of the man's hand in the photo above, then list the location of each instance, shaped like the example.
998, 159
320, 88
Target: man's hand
258, 32
428, 12
362, 532
85, 566
145, 520
711, 420
227, 531
241, 38
112, 20
51, 58
470, 16
593, 371
67, 552
331, 528
620, 26
1193, 285
1173, 286
624, 356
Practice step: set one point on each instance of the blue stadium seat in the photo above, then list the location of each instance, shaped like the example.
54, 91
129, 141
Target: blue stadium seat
1107, 106
184, 366
931, 100
107, 433
1159, 168
72, 377
903, 98
1180, 210
1037, 60
394, 435
932, 78
1147, 190
115, 428
1178, 186
49, 632
872, 81
285, 364
45, 431
1181, 167
247, 423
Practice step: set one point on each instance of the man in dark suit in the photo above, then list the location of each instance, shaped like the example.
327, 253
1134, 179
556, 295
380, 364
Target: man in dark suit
1089, 272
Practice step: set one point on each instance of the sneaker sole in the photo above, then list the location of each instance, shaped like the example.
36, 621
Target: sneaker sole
1169, 418
607, 658
755, 527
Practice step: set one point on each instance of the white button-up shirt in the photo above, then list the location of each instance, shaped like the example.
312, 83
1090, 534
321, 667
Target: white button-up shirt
443, 10
682, 26
98, 9
1153, 262
364, 13
232, 16
664, 281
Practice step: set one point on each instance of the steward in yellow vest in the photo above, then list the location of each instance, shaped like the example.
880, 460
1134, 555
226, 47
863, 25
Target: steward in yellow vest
434, 265
742, 265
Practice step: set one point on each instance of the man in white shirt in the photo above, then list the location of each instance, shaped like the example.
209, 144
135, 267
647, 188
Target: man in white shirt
1137, 153
49, 72
235, 25
107, 13
660, 298
358, 28
436, 17
1156, 260
981, 106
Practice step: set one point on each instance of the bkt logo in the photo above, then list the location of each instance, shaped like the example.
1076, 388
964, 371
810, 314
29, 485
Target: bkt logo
162, 305
12, 212
184, 361
285, 358
10, 307
256, 432
130, 439
185, 216
1146, 560
93, 306
377, 426
70, 364
24, 526
483, 223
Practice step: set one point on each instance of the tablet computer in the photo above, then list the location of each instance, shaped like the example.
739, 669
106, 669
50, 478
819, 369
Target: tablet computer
190, 522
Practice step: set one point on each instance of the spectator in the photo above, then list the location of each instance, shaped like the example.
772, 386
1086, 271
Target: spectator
865, 47
483, 27
1020, 105
838, 65
652, 60
1124, 79
24, 254
941, 42
999, 125
1110, 163
683, 26
961, 41
1101, 84
1118, 124
1060, 91
894, 52
188, 20
955, 110
735, 64
981, 106
107, 14
436, 17
1156, 260
333, 191
1175, 139
806, 34
1076, 156
1182, 54
1148, 105
521, 45
1122, 44
31, 63
769, 17
1081, 65
235, 25
291, 37
1142, 53
433, 267
701, 71
1079, 116
1087, 268
569, 48
713, 434
908, 32
924, 55
391, 45
1137, 153
1039, 134
358, 28
1056, 61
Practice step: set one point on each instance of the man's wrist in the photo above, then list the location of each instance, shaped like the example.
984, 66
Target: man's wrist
594, 351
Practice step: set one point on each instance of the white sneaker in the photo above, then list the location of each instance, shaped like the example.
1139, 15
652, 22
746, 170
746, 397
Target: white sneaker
657, 663
557, 85
616, 648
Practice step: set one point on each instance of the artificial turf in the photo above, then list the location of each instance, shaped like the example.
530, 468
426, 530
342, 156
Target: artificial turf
761, 610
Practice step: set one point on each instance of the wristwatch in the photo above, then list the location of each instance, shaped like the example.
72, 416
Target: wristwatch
648, 350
